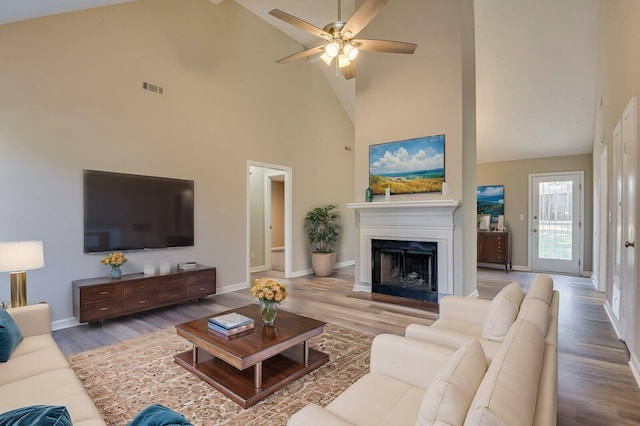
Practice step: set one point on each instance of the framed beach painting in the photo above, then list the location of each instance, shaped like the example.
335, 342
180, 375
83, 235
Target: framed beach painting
490, 201
410, 166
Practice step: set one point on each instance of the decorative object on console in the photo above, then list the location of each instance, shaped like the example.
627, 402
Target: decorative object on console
270, 293
339, 46
490, 200
165, 266
484, 222
17, 257
322, 229
368, 195
115, 260
187, 266
409, 166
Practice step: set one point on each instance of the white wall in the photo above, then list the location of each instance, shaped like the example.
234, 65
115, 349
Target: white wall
618, 82
428, 93
71, 99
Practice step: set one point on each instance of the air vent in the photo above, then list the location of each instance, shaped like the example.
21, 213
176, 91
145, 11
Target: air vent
153, 88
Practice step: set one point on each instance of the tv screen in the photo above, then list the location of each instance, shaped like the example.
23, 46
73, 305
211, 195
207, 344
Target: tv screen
133, 212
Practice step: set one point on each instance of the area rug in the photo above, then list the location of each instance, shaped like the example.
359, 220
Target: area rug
125, 377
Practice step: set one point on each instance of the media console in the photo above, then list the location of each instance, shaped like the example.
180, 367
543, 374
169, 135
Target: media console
96, 299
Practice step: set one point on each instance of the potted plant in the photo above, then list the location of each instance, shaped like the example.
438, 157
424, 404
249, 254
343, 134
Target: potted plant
322, 229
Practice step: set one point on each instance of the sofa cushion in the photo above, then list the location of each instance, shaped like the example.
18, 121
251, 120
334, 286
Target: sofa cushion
41, 415
447, 399
159, 415
509, 389
541, 288
10, 335
377, 399
535, 311
502, 312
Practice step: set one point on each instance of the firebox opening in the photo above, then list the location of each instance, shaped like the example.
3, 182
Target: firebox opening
405, 269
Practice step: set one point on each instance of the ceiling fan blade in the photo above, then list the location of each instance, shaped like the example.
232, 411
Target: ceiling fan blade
385, 46
362, 17
303, 54
299, 23
349, 71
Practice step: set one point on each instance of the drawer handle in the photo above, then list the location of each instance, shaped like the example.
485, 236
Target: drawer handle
174, 295
201, 288
143, 286
142, 301
104, 292
104, 309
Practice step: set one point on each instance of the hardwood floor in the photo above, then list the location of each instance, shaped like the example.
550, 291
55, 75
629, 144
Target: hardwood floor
595, 383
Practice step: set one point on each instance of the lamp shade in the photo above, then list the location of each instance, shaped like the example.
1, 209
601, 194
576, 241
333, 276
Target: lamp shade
21, 256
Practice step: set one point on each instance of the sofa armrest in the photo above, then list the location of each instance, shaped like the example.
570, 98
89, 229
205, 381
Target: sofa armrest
313, 414
32, 320
467, 309
408, 360
448, 338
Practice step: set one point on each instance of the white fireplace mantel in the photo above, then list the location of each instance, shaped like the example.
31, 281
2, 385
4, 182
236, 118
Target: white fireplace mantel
424, 220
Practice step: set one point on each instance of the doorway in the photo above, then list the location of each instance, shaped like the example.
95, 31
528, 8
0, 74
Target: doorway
556, 222
268, 218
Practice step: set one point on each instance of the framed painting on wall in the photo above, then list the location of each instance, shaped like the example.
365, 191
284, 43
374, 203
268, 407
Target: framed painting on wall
408, 166
490, 200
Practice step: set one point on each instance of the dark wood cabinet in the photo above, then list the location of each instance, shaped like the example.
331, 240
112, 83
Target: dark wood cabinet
96, 299
495, 248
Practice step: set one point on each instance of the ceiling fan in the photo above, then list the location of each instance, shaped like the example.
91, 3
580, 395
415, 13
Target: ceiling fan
339, 42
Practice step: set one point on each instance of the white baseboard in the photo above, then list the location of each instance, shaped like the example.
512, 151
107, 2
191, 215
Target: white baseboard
612, 319
634, 363
474, 294
594, 281
309, 271
258, 269
520, 268
362, 287
231, 288
64, 323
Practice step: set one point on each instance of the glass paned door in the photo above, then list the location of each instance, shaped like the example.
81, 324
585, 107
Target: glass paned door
555, 224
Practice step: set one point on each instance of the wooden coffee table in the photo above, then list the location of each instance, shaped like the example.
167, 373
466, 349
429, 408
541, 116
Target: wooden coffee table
254, 364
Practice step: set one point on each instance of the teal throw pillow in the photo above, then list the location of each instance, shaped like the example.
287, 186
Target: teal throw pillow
10, 335
41, 415
158, 415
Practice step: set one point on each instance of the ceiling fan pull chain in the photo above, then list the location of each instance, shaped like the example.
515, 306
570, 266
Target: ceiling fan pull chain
340, 10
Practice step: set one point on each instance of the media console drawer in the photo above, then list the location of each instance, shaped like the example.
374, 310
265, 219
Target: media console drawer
96, 299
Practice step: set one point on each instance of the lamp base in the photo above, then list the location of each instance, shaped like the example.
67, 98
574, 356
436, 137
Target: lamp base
18, 289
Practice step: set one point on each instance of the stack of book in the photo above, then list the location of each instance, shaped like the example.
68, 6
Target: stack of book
230, 324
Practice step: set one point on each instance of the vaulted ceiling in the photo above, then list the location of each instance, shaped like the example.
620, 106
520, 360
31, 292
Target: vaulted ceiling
536, 66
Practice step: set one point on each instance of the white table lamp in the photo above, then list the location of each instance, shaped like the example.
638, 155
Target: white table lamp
17, 257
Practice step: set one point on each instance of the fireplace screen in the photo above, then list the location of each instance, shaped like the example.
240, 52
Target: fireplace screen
405, 269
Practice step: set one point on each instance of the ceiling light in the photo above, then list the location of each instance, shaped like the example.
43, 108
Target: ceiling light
326, 58
351, 51
343, 61
332, 49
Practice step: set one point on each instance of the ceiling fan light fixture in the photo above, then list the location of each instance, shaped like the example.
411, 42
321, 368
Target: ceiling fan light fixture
343, 61
351, 51
332, 49
326, 58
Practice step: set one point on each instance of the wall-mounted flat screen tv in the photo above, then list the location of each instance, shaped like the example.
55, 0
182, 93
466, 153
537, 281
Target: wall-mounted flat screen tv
133, 212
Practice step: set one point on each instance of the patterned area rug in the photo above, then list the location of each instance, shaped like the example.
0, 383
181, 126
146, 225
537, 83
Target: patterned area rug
125, 377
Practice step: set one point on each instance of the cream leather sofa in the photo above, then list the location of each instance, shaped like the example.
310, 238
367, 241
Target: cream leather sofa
38, 373
433, 376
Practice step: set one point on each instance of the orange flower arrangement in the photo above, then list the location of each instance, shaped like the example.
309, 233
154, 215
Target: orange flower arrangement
269, 290
114, 259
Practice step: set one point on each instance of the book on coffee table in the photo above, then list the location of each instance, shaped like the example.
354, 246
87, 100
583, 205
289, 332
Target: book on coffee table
230, 321
231, 331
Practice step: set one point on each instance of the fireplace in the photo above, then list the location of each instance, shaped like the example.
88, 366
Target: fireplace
405, 269
423, 221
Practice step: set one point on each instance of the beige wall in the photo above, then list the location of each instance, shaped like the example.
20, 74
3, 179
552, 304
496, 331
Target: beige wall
72, 99
618, 82
514, 175
428, 93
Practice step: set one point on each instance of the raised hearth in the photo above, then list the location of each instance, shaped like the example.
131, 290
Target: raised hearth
430, 221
